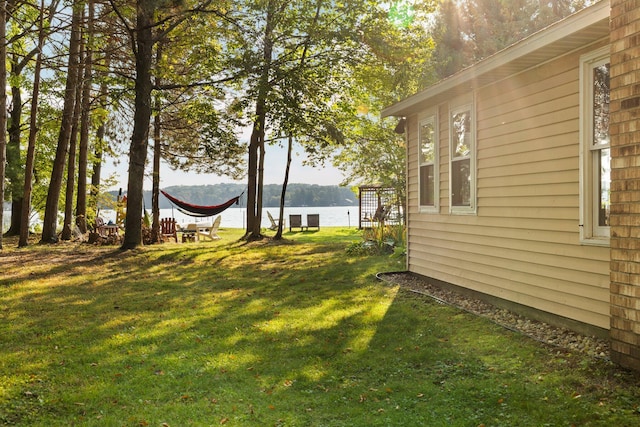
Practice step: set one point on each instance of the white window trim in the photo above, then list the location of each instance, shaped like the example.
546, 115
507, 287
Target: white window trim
430, 117
458, 105
590, 232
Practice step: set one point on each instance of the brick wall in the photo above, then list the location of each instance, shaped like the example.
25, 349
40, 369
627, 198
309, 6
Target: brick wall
625, 182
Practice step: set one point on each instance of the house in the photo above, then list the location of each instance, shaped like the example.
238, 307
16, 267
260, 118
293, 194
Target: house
523, 176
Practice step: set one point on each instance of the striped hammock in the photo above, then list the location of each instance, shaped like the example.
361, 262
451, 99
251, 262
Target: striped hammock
199, 210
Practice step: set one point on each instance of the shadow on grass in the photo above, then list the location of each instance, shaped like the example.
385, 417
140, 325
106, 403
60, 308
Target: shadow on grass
266, 334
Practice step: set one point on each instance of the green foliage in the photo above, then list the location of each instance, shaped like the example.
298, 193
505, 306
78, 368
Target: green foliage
468, 31
263, 334
379, 240
199, 138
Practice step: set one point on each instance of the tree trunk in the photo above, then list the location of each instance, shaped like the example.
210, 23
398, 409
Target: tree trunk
33, 131
50, 220
141, 119
3, 106
252, 166
14, 172
83, 149
69, 217
99, 144
260, 188
155, 191
157, 154
16, 209
256, 160
283, 195
256, 144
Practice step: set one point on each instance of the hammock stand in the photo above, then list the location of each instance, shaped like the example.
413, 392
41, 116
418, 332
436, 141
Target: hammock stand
200, 211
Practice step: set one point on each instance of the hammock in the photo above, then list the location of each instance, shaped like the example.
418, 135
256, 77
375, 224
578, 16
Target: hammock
198, 210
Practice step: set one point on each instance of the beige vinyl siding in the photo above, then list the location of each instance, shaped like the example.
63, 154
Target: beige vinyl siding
524, 243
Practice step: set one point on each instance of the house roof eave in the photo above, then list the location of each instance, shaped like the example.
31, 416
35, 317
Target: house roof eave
580, 29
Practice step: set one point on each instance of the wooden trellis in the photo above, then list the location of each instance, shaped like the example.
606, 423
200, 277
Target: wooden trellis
379, 205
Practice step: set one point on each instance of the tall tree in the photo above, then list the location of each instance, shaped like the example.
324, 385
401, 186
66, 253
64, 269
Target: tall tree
100, 142
70, 184
286, 96
33, 130
85, 124
148, 17
256, 143
20, 53
3, 107
143, 52
50, 220
373, 152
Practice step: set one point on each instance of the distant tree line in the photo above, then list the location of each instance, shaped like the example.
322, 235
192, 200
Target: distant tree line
297, 195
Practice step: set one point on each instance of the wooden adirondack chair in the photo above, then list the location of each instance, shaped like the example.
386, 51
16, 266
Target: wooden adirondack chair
168, 229
210, 233
274, 222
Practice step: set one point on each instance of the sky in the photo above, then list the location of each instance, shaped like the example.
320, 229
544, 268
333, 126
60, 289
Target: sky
275, 162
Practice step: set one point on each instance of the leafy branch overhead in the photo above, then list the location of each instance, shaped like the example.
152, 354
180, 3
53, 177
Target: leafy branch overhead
194, 78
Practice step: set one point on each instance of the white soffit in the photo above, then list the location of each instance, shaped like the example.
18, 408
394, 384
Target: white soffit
578, 30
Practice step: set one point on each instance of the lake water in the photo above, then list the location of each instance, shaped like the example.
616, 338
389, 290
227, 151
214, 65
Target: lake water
332, 216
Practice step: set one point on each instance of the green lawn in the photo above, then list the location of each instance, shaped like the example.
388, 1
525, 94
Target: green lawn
266, 334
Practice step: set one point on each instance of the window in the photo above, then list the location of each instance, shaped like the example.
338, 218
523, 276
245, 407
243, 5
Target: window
595, 151
428, 159
462, 159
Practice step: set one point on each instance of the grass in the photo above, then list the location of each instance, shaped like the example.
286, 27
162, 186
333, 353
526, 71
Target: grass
266, 334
